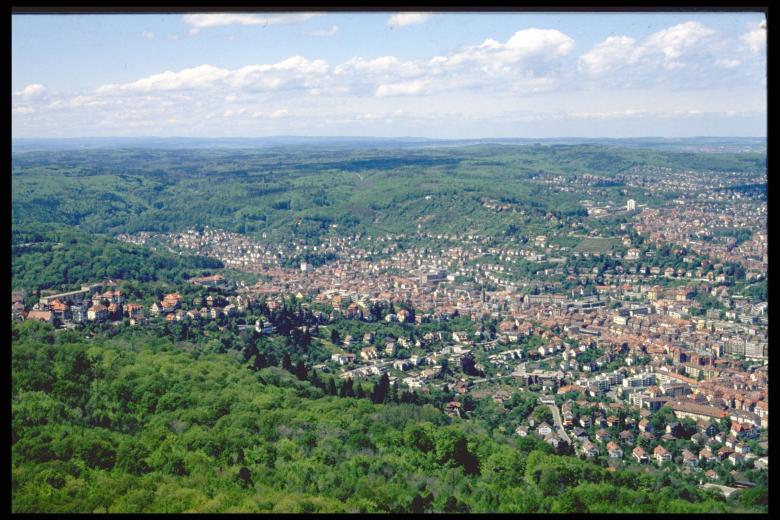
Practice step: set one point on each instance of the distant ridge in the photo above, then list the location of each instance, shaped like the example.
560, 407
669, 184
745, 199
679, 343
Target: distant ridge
682, 144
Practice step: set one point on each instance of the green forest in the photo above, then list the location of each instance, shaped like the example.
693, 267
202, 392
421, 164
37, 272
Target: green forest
309, 193
144, 424
57, 257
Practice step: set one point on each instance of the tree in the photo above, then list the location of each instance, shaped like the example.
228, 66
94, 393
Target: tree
332, 387
315, 379
260, 361
468, 364
335, 337
394, 392
444, 370
287, 363
379, 393
300, 371
420, 504
245, 476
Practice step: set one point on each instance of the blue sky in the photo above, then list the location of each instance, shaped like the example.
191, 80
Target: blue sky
448, 75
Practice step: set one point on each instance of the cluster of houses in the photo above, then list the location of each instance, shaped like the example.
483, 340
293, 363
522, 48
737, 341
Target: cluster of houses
706, 444
104, 302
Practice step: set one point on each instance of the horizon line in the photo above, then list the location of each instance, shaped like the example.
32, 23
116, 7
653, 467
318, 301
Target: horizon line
288, 136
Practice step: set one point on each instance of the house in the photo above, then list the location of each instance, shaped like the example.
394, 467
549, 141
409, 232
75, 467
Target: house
368, 353
138, 319
626, 436
585, 421
706, 455
114, 311
133, 308
60, 309
46, 316
724, 452
640, 455
401, 364
736, 458
614, 450
741, 447
661, 455
602, 435
522, 431
707, 428
646, 436
579, 433
645, 426
544, 429
673, 428
97, 313
689, 459
612, 421
343, 358
453, 408
589, 449
553, 439
744, 430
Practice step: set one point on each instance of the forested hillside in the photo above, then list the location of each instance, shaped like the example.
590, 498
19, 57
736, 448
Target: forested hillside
307, 193
143, 424
57, 257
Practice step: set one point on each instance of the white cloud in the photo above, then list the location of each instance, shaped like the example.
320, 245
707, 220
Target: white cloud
401, 89
727, 63
86, 102
667, 48
527, 45
273, 76
384, 68
295, 72
149, 35
23, 110
403, 19
615, 114
674, 41
193, 78
325, 32
32, 91
205, 20
756, 38
610, 55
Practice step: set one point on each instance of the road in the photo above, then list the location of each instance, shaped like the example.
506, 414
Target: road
558, 423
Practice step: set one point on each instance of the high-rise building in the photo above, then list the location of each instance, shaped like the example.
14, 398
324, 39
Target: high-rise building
631, 205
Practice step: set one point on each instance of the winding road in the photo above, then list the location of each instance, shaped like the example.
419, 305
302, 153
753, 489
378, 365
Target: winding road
556, 418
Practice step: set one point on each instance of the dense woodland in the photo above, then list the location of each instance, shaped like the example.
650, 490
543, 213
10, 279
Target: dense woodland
148, 425
304, 193
58, 257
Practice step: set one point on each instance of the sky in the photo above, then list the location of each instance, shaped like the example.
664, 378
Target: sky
436, 75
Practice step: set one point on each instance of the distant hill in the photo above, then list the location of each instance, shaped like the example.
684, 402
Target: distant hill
298, 191
685, 144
